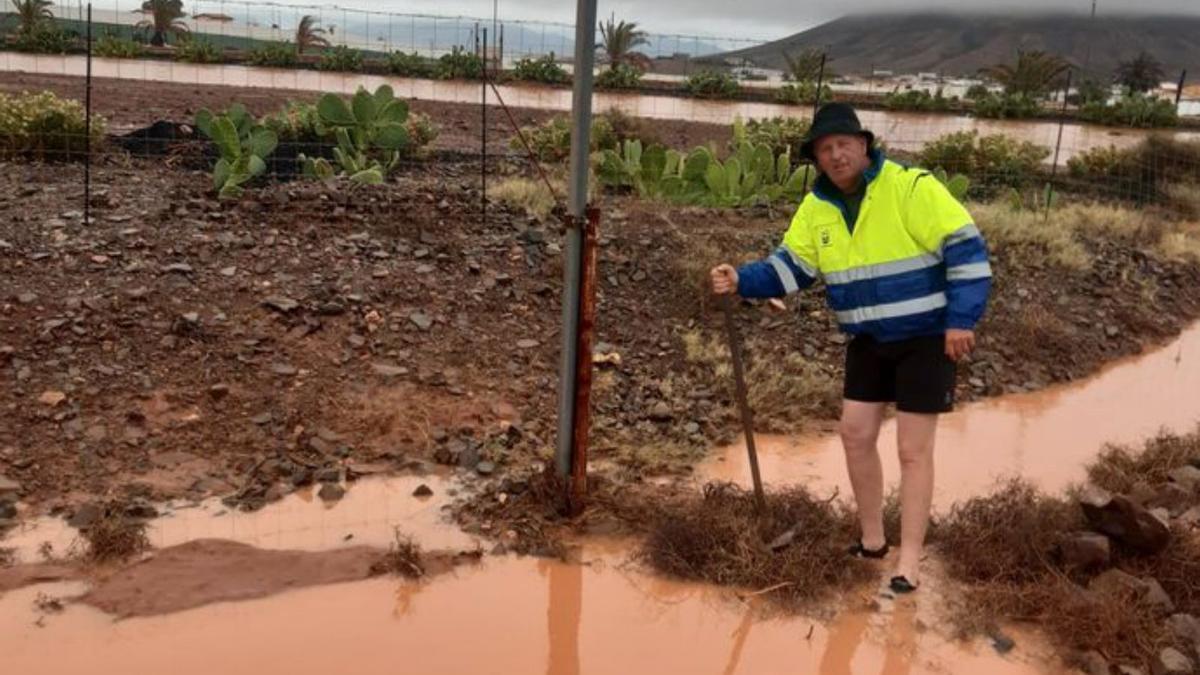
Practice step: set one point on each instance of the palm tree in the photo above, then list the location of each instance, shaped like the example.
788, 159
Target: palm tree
619, 40
164, 18
309, 35
31, 13
807, 66
1140, 74
1033, 74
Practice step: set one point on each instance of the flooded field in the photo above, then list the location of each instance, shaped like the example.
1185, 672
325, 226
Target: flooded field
607, 615
902, 131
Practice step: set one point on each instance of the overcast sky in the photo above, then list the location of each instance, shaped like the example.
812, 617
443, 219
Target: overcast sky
747, 18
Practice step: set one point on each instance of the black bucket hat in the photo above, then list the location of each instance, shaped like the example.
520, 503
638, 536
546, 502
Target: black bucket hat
833, 118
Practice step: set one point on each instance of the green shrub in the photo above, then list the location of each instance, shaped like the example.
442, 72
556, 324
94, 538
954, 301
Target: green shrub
918, 100
341, 59
410, 65
459, 64
113, 47
1132, 110
780, 134
243, 147
1007, 106
297, 123
989, 161
712, 84
44, 126
622, 76
301, 123
803, 93
551, 140
976, 92
1150, 171
45, 38
274, 55
197, 50
374, 131
545, 69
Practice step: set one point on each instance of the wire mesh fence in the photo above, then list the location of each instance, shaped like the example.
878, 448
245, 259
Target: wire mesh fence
146, 102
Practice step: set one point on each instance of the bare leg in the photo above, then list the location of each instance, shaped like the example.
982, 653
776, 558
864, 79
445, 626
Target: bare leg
860, 432
916, 439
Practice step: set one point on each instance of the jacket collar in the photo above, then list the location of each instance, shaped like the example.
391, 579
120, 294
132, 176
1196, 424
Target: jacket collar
824, 188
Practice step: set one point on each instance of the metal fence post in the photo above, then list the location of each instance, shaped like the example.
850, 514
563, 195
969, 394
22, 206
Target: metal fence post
570, 458
1062, 120
87, 130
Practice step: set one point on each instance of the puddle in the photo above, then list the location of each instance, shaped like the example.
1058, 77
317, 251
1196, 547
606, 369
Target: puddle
1047, 436
366, 516
509, 615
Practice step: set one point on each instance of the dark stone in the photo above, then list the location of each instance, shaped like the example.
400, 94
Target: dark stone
1085, 551
141, 508
85, 516
218, 391
331, 492
1120, 518
8, 510
1002, 643
423, 490
302, 476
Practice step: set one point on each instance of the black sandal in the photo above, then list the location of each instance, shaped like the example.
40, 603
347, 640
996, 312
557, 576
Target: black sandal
902, 585
858, 550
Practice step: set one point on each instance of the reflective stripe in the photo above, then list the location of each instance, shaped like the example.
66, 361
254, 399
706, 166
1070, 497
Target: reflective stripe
964, 233
804, 267
785, 275
893, 310
882, 269
979, 270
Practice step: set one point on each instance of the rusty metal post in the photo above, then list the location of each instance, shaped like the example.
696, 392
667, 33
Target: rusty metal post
568, 462
577, 494
816, 109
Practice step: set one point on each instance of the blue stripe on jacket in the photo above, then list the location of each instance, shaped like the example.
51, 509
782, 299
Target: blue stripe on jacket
969, 282
761, 279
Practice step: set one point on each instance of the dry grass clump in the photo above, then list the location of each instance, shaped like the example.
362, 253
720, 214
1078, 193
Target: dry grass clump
1119, 468
1006, 537
403, 558
719, 538
114, 536
528, 194
1177, 569
1060, 239
785, 394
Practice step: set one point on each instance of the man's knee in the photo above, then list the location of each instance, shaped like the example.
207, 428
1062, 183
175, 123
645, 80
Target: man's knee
858, 436
914, 452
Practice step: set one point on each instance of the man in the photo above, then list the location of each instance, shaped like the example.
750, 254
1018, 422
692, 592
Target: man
907, 273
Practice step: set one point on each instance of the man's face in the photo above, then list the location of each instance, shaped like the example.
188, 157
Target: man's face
842, 157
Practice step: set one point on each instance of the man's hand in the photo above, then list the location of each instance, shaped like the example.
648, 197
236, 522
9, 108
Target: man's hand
724, 279
959, 343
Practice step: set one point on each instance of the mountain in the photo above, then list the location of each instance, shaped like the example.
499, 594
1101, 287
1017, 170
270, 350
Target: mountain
961, 44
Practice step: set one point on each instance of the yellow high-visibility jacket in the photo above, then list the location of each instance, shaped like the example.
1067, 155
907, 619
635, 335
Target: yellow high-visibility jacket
912, 264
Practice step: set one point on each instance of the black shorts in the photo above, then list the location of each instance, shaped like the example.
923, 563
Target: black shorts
916, 374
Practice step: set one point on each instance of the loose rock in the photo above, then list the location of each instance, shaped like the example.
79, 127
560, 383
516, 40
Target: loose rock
423, 490
331, 492
1187, 477
1086, 551
1172, 662
1120, 518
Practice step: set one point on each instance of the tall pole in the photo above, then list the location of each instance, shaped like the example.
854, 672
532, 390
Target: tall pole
1062, 120
484, 134
568, 464
1087, 60
1179, 91
87, 131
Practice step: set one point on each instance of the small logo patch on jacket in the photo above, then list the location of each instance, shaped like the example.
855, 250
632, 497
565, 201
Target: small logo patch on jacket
826, 238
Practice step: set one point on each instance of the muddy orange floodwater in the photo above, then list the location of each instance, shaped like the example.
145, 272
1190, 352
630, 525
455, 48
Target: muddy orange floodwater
1048, 436
523, 615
